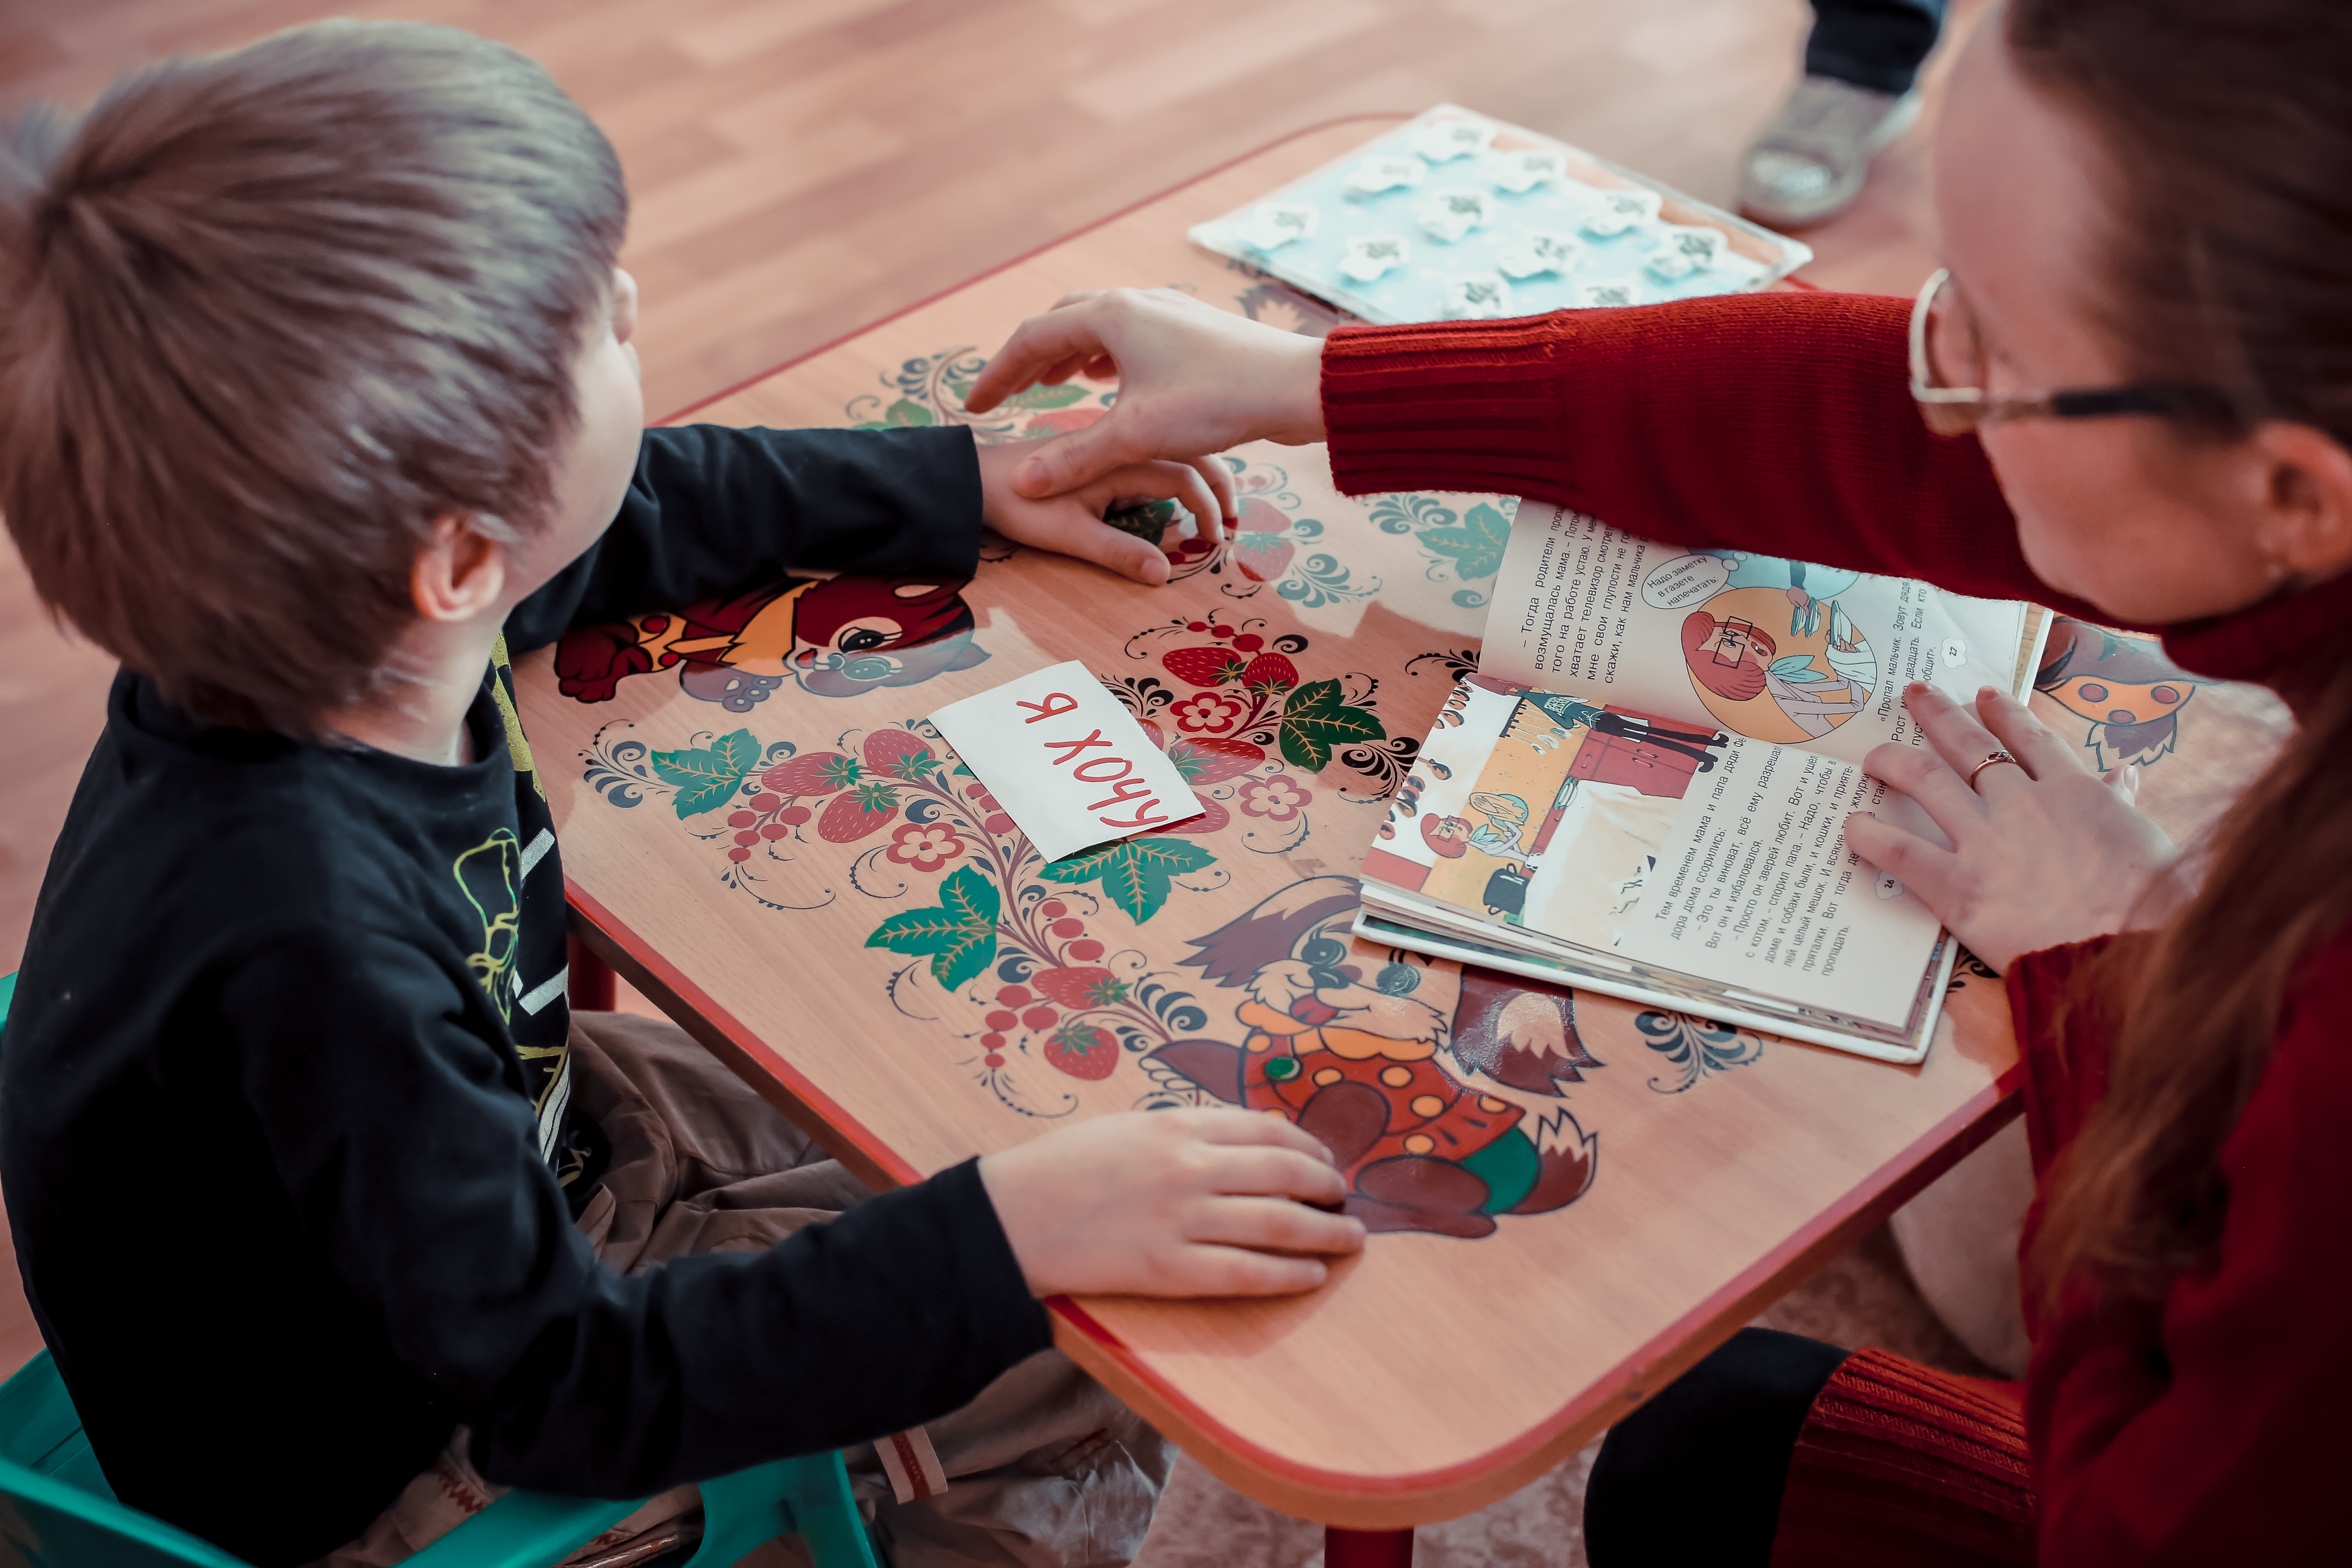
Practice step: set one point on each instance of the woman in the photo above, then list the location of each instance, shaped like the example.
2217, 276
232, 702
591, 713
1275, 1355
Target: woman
2146, 210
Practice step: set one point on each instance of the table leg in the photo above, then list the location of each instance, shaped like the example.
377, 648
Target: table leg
1367, 1548
590, 989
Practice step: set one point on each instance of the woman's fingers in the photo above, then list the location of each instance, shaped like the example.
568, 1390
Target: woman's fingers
2033, 743
1035, 346
1927, 869
1180, 482
1959, 737
1927, 778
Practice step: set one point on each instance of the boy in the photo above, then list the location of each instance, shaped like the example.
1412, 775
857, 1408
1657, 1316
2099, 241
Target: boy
315, 403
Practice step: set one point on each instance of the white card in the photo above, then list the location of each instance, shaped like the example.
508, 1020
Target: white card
1070, 766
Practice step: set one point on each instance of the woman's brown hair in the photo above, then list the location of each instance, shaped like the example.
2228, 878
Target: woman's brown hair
2228, 130
270, 314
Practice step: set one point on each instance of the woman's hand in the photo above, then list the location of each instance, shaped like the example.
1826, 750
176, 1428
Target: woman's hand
1072, 523
1171, 1203
1193, 381
2043, 851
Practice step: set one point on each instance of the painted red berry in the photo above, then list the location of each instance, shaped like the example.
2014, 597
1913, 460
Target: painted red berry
974, 790
1085, 951
998, 823
1221, 631
775, 830
794, 815
1248, 644
742, 818
767, 800
1040, 1017
1069, 927
748, 838
993, 1059
1196, 625
1001, 1020
993, 1041
1053, 909
738, 854
1014, 996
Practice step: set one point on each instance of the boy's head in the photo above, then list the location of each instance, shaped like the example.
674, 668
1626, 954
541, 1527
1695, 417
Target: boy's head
274, 319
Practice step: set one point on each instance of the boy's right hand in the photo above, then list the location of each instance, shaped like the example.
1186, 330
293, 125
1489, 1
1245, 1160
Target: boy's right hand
1171, 1203
1193, 380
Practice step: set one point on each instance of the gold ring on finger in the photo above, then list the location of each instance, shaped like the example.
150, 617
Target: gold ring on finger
1995, 757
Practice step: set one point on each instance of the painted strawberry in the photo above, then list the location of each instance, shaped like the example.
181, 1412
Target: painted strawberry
1259, 547
1270, 673
857, 813
894, 753
815, 773
1208, 759
1082, 1050
1204, 666
1078, 989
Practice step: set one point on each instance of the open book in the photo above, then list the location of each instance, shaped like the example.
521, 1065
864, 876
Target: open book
1643, 788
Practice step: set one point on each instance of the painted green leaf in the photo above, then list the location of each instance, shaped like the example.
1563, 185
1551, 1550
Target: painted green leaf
1135, 872
905, 412
1046, 398
1316, 718
959, 935
1477, 546
707, 777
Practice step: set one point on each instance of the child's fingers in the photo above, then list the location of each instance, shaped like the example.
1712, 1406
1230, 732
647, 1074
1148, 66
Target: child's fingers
1275, 1224
1266, 1171
1244, 1126
1183, 483
1070, 462
1221, 485
1197, 1269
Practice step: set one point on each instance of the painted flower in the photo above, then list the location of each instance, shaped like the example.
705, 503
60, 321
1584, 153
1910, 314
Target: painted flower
1278, 798
926, 847
1208, 713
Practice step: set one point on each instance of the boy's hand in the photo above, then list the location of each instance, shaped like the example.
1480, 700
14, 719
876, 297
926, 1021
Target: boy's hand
1072, 523
1193, 380
1171, 1203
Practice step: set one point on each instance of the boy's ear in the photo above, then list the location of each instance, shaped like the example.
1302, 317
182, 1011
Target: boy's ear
459, 572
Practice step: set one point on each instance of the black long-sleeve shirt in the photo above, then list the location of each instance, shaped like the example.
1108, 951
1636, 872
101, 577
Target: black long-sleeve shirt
283, 1122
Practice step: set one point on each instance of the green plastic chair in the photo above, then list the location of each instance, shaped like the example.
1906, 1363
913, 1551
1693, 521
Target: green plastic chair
57, 1511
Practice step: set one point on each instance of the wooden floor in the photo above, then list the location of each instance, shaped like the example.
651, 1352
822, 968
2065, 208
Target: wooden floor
802, 166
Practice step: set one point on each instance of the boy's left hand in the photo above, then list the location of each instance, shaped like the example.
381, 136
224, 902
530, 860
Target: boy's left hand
1072, 524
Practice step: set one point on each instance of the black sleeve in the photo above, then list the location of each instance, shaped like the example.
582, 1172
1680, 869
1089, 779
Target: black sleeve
714, 508
412, 1158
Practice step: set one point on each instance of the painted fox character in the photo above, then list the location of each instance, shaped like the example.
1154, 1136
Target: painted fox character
835, 638
1425, 1115
2129, 692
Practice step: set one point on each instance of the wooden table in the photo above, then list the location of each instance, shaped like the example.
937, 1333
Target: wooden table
762, 837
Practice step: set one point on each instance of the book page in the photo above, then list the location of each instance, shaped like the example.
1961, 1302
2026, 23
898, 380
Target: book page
1741, 643
1756, 889
1653, 842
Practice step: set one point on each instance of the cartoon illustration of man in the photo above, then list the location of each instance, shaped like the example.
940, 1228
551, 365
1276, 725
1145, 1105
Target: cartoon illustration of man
1738, 661
1637, 728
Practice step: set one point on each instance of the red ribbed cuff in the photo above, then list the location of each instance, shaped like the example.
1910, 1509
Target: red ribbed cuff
1443, 406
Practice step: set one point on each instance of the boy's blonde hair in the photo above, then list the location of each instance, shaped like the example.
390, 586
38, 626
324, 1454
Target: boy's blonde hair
268, 315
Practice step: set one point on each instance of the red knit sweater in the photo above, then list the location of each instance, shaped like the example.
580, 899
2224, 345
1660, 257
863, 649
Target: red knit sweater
2210, 1428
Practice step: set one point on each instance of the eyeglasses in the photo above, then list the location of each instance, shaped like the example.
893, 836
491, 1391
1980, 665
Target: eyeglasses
1947, 376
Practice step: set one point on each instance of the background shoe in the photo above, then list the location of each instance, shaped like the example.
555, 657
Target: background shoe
1809, 162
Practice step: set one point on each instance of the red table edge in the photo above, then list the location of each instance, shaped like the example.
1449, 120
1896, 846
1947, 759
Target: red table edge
1400, 1501
1382, 1503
